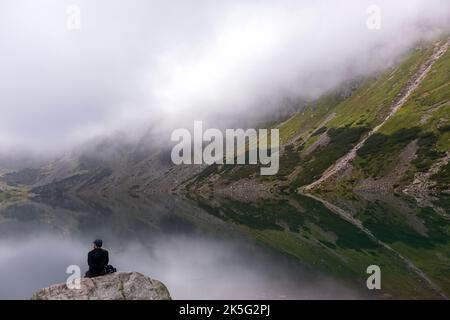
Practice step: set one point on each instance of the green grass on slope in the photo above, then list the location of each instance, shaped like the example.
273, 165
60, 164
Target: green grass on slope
429, 105
346, 119
307, 120
341, 142
429, 250
425, 117
443, 178
289, 159
381, 151
371, 103
366, 108
307, 230
428, 152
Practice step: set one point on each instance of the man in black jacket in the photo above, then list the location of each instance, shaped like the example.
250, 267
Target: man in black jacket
98, 260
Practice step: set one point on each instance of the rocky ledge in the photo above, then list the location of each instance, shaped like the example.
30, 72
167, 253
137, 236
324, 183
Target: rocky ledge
116, 286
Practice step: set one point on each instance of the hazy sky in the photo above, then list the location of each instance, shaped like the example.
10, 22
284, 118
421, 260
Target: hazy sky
134, 64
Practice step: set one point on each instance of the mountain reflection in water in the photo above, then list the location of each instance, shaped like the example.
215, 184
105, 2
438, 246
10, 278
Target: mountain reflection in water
196, 254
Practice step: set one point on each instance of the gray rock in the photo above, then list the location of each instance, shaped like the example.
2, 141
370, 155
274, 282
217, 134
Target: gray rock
116, 286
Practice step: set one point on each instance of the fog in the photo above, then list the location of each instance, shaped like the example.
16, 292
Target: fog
163, 64
192, 267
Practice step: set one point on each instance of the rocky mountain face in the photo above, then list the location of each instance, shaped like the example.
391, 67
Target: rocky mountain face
116, 286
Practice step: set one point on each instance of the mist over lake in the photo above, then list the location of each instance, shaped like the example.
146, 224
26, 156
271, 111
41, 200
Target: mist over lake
38, 242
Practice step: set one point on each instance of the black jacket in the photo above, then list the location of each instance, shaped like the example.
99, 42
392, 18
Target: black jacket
98, 259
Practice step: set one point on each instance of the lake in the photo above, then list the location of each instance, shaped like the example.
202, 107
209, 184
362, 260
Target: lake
195, 253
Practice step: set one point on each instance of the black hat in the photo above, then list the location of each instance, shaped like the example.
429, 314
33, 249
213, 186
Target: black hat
98, 242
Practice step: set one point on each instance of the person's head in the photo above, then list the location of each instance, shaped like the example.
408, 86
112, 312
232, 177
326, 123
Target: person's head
98, 243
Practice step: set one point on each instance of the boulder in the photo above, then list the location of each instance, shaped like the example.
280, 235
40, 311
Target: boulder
116, 286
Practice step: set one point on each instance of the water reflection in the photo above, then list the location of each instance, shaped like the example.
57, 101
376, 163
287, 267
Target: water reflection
196, 254
342, 236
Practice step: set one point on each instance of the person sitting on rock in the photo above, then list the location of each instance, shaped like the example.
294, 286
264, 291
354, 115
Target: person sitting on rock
98, 259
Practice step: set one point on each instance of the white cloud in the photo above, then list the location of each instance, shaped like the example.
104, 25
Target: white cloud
132, 65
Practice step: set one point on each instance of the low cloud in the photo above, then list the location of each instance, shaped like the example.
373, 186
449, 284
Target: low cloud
158, 64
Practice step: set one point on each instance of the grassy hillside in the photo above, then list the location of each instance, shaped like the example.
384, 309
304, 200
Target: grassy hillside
317, 137
412, 145
425, 118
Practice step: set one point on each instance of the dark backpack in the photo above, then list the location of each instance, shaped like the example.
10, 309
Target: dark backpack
110, 269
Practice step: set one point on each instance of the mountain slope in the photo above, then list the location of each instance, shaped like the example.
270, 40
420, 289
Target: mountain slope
387, 147
349, 124
357, 137
400, 100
